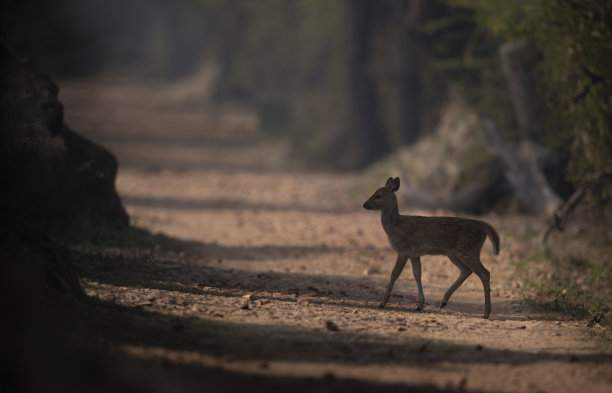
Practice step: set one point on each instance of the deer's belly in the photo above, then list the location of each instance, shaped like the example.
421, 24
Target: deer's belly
415, 247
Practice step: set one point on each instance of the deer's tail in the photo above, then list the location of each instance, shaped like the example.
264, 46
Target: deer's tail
493, 236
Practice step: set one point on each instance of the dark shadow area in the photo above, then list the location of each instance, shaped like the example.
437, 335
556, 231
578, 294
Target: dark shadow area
99, 370
182, 270
187, 204
167, 274
355, 292
192, 140
148, 164
196, 248
226, 381
117, 325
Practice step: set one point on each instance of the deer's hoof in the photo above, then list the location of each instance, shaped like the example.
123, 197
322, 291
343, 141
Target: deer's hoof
381, 306
419, 307
443, 304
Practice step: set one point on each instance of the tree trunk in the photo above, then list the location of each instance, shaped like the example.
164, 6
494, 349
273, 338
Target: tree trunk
409, 79
363, 140
516, 57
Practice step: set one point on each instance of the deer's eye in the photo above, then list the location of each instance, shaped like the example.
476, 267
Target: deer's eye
377, 197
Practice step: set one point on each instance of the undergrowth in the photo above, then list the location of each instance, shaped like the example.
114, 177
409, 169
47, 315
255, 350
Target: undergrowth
576, 287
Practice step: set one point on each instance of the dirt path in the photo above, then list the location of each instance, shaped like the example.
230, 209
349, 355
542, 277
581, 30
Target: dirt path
266, 270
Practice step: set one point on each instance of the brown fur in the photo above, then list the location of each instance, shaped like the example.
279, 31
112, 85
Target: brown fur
460, 239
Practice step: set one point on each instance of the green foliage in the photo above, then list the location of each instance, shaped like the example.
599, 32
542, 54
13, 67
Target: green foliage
292, 59
578, 288
298, 61
573, 72
285, 57
574, 41
473, 163
572, 301
503, 18
274, 115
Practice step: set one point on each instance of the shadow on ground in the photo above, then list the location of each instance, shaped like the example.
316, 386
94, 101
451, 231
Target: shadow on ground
118, 325
195, 267
187, 204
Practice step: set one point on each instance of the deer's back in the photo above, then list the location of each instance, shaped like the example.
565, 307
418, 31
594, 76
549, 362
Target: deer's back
417, 235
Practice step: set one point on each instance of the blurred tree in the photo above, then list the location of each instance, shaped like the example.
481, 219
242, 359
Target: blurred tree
397, 66
410, 86
362, 140
573, 39
304, 65
344, 79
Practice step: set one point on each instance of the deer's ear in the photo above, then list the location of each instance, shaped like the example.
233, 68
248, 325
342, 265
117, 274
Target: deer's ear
393, 184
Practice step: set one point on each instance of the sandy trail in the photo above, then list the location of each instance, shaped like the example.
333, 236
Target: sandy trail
267, 270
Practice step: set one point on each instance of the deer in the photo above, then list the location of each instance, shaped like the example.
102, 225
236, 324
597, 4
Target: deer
411, 237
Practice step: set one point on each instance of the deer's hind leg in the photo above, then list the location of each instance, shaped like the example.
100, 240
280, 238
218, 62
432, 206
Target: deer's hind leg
464, 272
474, 265
485, 278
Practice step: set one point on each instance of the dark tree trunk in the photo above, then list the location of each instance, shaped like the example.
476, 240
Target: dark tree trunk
363, 140
409, 78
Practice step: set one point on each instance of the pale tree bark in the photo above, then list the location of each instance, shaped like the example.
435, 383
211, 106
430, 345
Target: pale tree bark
516, 58
524, 175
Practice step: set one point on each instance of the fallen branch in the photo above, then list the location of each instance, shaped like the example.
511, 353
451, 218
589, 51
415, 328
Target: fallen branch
559, 216
593, 80
525, 176
562, 212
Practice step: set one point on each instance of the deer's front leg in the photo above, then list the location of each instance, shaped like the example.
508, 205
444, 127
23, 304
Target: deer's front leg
416, 270
397, 269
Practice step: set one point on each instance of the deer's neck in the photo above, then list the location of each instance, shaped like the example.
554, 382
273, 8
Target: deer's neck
389, 214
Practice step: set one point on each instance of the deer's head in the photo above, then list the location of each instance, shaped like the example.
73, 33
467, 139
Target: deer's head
384, 196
